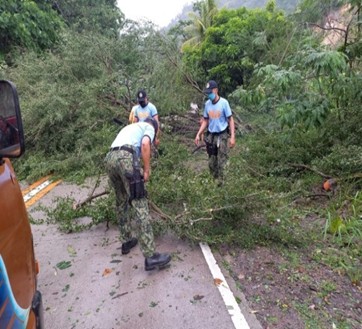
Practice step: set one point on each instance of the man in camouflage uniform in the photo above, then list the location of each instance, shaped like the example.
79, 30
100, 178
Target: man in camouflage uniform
123, 167
218, 119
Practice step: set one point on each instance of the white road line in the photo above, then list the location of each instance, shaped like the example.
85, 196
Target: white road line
232, 306
35, 191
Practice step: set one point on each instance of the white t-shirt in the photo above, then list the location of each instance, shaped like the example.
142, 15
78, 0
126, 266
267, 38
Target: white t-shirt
133, 135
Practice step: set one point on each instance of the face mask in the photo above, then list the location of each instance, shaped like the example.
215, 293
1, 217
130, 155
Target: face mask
211, 96
142, 103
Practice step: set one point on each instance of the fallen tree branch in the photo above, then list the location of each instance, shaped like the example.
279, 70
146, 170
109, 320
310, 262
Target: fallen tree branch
94, 196
197, 148
210, 211
91, 195
158, 210
200, 219
296, 165
88, 199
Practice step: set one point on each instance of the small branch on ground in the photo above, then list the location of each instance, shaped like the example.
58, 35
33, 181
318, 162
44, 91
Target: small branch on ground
296, 165
88, 199
91, 195
158, 210
197, 148
201, 219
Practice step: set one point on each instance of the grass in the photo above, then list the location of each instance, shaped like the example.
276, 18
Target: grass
343, 229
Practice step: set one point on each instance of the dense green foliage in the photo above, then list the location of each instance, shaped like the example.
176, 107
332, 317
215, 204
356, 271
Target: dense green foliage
288, 6
100, 16
27, 24
296, 100
237, 41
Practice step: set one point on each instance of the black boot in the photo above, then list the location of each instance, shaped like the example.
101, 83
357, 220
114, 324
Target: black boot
127, 246
157, 260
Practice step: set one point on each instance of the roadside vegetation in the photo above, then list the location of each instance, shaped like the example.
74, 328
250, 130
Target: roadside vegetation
294, 179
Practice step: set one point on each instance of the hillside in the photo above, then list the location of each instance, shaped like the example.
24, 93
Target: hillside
288, 5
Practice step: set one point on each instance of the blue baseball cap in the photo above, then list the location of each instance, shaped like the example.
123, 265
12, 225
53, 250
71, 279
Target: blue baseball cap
210, 86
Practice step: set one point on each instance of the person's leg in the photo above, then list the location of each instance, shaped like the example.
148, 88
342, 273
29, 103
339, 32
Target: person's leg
152, 259
113, 168
211, 141
117, 165
222, 157
213, 166
145, 235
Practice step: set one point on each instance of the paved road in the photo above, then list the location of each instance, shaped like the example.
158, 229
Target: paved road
100, 288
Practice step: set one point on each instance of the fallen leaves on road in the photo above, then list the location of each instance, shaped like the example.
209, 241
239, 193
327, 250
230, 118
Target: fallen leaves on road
64, 264
218, 282
106, 272
120, 295
71, 251
116, 261
198, 297
153, 304
241, 276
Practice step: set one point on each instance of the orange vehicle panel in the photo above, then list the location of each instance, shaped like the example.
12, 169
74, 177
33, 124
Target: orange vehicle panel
17, 262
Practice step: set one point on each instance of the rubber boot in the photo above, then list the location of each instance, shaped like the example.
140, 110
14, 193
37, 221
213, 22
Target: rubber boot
157, 260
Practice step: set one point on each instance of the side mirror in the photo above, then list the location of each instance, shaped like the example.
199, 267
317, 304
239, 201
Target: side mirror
11, 126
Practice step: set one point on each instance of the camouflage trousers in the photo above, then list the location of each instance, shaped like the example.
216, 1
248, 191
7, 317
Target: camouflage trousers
219, 162
118, 166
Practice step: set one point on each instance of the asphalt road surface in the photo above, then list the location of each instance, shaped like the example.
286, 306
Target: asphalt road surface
87, 283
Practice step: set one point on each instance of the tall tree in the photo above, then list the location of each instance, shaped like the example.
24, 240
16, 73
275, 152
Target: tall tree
101, 16
28, 24
200, 20
236, 42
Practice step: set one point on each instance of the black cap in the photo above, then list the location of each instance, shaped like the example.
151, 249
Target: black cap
141, 95
210, 86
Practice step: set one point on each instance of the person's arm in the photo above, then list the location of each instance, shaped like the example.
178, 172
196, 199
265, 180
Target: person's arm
146, 157
232, 131
157, 138
204, 124
135, 114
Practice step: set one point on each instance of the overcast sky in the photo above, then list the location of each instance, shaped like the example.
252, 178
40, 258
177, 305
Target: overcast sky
161, 12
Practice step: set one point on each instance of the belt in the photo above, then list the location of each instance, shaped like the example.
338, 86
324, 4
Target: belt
221, 132
131, 149
127, 148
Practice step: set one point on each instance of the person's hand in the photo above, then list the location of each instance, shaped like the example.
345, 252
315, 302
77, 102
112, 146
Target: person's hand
157, 142
197, 140
232, 142
146, 176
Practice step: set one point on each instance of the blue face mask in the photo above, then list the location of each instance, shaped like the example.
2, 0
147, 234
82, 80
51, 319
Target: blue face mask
211, 96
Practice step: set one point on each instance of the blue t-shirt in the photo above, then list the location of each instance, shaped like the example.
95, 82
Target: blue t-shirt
142, 113
133, 134
217, 114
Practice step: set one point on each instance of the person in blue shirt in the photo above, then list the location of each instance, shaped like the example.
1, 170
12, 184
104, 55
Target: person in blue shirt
146, 109
220, 135
123, 166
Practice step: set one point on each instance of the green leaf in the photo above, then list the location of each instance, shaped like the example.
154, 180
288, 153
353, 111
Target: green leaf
64, 265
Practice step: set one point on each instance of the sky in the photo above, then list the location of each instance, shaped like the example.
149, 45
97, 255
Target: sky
160, 12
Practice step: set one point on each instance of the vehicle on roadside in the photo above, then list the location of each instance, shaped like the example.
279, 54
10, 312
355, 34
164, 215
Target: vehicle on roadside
20, 301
